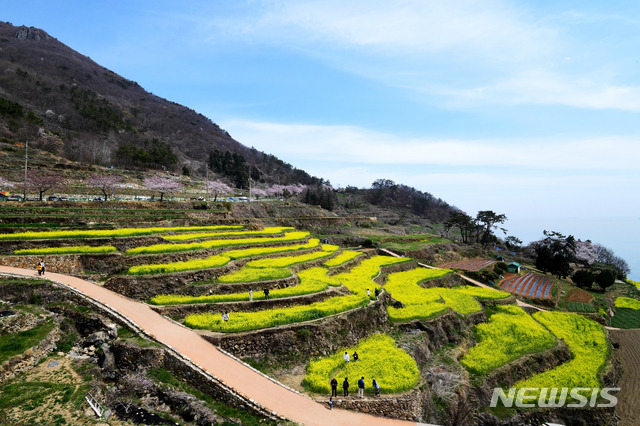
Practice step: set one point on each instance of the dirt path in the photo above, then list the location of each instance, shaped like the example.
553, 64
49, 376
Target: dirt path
628, 407
245, 381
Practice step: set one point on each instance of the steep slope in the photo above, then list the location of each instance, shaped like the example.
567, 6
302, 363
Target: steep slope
64, 102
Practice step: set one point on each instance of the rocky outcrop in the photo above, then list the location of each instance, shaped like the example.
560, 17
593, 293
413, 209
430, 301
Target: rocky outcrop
31, 33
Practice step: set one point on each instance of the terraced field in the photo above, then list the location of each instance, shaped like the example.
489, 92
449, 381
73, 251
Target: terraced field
531, 285
276, 277
468, 265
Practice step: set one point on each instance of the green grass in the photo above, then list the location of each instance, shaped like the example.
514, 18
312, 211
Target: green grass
580, 307
16, 343
626, 318
164, 376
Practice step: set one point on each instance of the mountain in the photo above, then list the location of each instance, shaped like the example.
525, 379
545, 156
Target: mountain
63, 102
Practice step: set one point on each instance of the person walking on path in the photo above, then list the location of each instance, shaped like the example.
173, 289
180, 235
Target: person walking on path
377, 293
331, 403
250, 295
361, 387
39, 268
355, 356
376, 388
266, 294
42, 267
334, 387
346, 357
345, 387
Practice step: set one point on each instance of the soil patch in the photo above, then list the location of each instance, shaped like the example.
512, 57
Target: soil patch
578, 295
628, 407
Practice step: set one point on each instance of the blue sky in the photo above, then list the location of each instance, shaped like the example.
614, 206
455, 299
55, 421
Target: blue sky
525, 109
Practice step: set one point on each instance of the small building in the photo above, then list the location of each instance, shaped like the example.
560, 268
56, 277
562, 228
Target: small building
500, 258
513, 267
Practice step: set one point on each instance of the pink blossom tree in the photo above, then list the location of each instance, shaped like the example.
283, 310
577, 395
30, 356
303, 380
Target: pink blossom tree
105, 183
216, 187
42, 182
162, 185
5, 183
259, 193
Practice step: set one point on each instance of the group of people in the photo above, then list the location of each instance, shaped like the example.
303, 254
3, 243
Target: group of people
345, 387
40, 268
266, 294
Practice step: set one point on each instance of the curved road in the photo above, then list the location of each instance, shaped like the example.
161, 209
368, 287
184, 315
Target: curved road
244, 380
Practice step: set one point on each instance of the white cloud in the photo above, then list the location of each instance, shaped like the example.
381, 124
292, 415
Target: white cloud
466, 53
357, 146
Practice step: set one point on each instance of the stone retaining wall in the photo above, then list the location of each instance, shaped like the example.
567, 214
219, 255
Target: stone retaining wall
406, 407
182, 311
68, 264
445, 329
301, 342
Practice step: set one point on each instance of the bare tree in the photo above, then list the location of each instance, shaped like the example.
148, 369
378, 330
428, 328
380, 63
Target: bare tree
105, 183
42, 182
162, 185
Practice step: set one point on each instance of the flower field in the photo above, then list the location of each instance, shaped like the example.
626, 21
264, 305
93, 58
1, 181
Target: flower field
68, 250
379, 359
274, 269
635, 283
342, 258
284, 262
174, 248
312, 280
588, 345
359, 279
110, 233
627, 303
426, 303
509, 334
203, 235
249, 275
529, 285
245, 321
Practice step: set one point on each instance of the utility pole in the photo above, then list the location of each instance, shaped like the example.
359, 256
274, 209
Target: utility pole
26, 160
250, 188
206, 184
